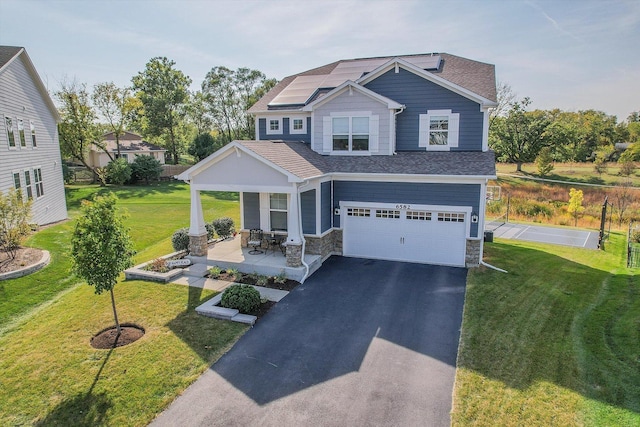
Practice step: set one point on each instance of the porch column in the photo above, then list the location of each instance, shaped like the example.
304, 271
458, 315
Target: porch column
294, 239
197, 231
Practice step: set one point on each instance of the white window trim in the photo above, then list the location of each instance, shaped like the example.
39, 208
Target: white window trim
20, 122
33, 134
327, 133
298, 131
36, 182
13, 132
453, 132
268, 126
28, 186
270, 209
13, 180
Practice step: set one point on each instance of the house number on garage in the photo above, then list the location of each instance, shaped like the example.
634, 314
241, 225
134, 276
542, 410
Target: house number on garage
403, 206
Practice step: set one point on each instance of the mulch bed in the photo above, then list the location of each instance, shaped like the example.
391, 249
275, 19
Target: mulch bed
108, 338
263, 309
288, 285
24, 258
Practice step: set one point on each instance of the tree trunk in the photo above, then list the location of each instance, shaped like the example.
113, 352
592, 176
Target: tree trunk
518, 166
115, 314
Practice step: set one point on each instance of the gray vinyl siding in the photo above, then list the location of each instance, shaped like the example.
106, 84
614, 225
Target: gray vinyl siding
20, 98
408, 193
420, 95
308, 211
325, 206
251, 210
346, 102
285, 135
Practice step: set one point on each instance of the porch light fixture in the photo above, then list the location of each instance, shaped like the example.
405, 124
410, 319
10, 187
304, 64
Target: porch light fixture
474, 218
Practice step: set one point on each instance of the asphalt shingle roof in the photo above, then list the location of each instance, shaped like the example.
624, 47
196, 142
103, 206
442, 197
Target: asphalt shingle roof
6, 53
478, 77
300, 160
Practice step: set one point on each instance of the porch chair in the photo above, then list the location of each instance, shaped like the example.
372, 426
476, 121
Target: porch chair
255, 241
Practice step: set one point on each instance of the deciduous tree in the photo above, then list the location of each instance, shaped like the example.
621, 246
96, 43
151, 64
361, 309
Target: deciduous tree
101, 247
116, 106
14, 221
162, 89
575, 204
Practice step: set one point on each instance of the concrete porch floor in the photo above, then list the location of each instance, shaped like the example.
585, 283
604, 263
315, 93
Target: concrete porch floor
229, 254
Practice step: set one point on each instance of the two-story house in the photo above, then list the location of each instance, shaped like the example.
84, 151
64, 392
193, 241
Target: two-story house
383, 158
29, 147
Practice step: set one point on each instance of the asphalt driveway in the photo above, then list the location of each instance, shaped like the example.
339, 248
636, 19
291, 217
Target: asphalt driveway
362, 342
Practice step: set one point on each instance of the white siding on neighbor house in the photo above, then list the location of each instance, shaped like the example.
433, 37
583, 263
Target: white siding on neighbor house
354, 101
101, 159
20, 98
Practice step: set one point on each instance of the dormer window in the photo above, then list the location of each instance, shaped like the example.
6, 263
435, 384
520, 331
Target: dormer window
274, 126
350, 133
439, 130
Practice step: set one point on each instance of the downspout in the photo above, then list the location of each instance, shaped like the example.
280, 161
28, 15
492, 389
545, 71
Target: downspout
306, 266
395, 127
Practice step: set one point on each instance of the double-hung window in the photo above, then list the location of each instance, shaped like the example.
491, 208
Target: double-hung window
37, 178
297, 125
350, 133
23, 138
27, 184
439, 130
274, 126
278, 211
33, 133
16, 181
10, 135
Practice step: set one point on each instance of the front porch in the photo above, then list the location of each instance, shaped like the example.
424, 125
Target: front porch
230, 254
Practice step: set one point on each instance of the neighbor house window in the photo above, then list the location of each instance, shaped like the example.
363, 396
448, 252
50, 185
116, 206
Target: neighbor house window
278, 211
297, 125
122, 156
439, 130
350, 133
16, 181
274, 126
27, 184
10, 135
33, 133
23, 139
37, 178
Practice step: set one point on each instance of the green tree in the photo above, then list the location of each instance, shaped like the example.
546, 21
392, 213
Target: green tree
198, 113
506, 97
518, 137
78, 130
627, 167
163, 92
15, 214
575, 204
116, 105
101, 247
544, 161
146, 168
203, 145
118, 171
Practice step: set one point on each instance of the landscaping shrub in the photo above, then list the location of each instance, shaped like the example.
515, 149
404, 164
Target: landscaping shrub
244, 298
180, 240
214, 272
210, 230
159, 265
118, 172
281, 278
146, 168
224, 227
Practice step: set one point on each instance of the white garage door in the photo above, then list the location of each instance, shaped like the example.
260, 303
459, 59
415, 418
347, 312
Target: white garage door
431, 236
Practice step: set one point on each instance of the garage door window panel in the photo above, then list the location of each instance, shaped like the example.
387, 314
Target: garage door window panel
419, 215
386, 213
450, 217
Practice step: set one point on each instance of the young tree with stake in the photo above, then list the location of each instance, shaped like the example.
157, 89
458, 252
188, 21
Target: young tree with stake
101, 246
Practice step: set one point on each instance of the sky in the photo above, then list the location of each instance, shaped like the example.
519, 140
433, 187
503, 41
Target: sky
567, 54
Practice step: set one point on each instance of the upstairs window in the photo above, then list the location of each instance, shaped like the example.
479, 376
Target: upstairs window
10, 135
33, 133
274, 126
297, 125
23, 139
439, 130
350, 133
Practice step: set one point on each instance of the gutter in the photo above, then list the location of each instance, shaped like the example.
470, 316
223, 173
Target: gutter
304, 242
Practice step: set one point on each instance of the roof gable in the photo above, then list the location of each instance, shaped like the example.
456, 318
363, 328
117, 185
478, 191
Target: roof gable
9, 54
349, 85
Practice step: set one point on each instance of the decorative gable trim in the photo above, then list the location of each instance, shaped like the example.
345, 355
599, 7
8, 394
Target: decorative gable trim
350, 85
397, 62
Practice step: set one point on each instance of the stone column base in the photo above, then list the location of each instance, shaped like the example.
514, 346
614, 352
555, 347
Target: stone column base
294, 255
472, 258
198, 245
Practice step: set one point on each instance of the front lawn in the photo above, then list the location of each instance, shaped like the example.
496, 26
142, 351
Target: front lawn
156, 211
556, 341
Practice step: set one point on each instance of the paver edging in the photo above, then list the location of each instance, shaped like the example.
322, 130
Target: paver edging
44, 261
139, 273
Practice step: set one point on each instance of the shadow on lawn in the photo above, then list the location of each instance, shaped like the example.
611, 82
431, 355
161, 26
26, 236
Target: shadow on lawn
82, 410
75, 195
557, 321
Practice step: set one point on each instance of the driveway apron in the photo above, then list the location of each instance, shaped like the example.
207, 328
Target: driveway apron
361, 342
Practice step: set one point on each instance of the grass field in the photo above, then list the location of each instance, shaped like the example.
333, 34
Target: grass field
575, 172
49, 373
556, 341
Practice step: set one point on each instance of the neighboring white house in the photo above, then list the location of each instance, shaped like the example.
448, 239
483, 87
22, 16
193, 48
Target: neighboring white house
131, 145
29, 145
